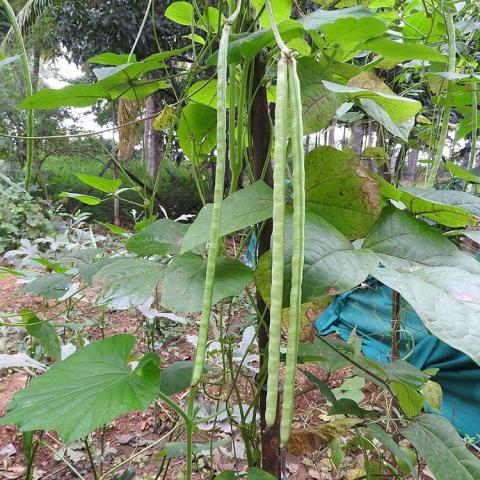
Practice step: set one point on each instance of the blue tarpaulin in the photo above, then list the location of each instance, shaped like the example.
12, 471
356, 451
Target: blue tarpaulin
369, 310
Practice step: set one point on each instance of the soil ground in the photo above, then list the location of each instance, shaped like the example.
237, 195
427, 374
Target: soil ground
134, 437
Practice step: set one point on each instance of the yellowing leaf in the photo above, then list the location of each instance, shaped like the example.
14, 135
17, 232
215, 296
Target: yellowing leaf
165, 119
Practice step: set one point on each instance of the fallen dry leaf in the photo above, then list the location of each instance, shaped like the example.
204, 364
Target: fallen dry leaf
308, 440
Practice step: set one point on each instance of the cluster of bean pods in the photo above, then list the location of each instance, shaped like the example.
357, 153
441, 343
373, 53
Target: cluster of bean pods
288, 104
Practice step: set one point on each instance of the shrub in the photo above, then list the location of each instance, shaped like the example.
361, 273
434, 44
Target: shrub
21, 215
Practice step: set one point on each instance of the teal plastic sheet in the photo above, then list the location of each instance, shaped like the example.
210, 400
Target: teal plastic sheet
369, 310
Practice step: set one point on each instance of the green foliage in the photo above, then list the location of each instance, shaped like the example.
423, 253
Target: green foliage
128, 282
332, 265
52, 285
21, 216
177, 192
159, 238
345, 44
197, 131
446, 207
88, 389
445, 298
440, 445
250, 205
401, 240
184, 282
319, 105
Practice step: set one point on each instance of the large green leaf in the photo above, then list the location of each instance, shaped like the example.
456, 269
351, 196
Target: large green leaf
87, 390
410, 401
128, 282
370, 81
339, 189
184, 283
197, 133
51, 285
447, 299
399, 109
250, 44
81, 95
331, 264
161, 237
119, 81
86, 271
282, 11
319, 105
401, 240
183, 14
243, 208
108, 58
403, 51
255, 473
180, 12
441, 447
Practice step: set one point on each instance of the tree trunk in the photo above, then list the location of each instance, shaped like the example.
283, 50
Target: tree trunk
331, 133
370, 134
357, 138
260, 131
411, 165
116, 201
153, 139
466, 152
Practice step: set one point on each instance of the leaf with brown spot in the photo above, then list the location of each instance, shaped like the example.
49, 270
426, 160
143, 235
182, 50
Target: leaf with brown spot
342, 191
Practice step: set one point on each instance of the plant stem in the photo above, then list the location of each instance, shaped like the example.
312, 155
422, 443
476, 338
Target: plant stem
473, 146
395, 339
27, 80
90, 458
189, 430
278, 39
448, 102
259, 131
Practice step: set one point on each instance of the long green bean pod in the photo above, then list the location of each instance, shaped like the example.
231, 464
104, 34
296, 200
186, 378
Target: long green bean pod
298, 224
222, 67
278, 240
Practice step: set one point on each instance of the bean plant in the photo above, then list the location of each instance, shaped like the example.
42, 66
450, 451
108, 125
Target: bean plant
264, 78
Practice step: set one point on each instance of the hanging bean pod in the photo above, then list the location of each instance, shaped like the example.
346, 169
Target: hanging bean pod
298, 224
278, 239
222, 68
